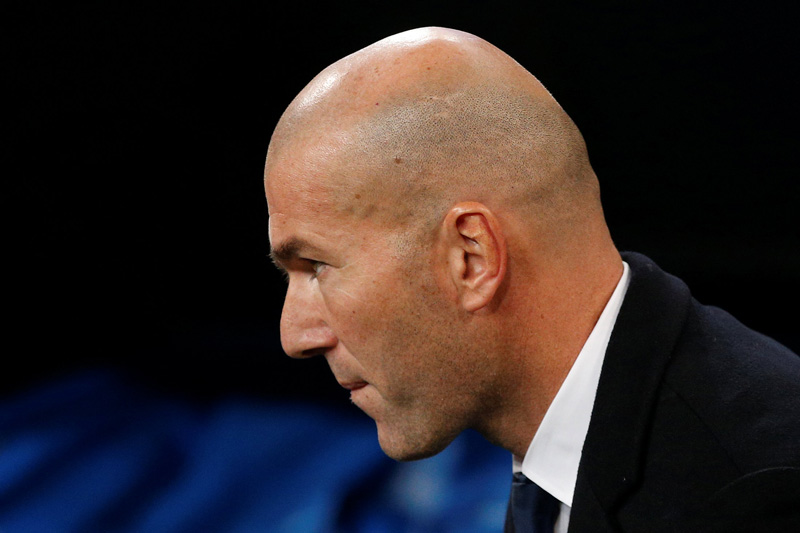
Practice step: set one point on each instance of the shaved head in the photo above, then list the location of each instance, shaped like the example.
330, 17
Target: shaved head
431, 116
441, 228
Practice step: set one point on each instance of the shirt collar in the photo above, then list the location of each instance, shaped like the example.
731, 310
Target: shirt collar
554, 454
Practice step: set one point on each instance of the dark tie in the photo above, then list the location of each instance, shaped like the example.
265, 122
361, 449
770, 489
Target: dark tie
530, 509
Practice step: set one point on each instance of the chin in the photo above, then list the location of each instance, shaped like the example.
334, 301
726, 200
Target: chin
407, 447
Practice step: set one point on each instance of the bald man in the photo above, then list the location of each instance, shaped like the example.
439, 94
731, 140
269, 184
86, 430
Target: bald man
440, 226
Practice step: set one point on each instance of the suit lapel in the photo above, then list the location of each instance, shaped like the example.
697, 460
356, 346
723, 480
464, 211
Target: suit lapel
646, 330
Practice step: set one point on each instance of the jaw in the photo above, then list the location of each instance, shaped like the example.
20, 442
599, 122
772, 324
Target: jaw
411, 445
415, 431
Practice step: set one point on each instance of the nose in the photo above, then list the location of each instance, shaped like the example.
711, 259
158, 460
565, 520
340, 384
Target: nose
304, 330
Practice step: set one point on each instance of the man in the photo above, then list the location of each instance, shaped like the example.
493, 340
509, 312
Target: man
440, 226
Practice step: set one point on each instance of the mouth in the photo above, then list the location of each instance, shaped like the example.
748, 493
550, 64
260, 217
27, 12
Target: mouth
353, 385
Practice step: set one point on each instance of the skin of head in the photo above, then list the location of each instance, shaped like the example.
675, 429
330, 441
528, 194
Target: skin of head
440, 226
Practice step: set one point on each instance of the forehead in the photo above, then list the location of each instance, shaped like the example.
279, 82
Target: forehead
330, 170
300, 172
298, 207
306, 182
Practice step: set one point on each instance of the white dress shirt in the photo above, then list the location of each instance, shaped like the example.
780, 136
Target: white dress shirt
554, 454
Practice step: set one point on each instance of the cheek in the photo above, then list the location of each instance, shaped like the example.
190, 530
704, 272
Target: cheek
361, 306
362, 319
375, 323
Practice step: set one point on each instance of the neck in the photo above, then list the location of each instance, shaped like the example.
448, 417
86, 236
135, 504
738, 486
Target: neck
554, 315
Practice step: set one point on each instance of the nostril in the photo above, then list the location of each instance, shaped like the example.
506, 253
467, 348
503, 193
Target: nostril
312, 352
303, 340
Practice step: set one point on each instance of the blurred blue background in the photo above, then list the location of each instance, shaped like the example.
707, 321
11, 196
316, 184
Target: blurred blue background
96, 452
145, 388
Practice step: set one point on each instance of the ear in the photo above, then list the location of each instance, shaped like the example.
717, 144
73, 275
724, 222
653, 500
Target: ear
475, 252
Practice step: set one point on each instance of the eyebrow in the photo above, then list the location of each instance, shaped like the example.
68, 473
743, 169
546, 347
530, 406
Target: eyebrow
288, 250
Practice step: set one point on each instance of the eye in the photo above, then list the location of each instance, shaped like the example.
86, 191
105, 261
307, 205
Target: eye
317, 267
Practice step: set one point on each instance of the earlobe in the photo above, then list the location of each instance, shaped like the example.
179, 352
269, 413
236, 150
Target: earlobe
476, 254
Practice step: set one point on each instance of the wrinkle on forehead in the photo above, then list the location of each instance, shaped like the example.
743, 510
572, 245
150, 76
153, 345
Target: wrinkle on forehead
300, 182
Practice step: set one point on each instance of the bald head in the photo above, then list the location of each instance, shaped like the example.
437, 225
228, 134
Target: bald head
429, 194
432, 116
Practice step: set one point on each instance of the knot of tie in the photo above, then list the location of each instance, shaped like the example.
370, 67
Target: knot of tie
530, 509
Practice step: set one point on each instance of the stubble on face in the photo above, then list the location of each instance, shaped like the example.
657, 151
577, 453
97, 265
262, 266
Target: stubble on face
398, 322
436, 380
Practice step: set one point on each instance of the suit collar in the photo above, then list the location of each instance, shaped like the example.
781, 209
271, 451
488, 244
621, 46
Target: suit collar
554, 454
647, 328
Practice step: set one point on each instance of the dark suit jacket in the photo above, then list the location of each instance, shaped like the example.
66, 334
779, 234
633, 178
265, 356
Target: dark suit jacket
696, 422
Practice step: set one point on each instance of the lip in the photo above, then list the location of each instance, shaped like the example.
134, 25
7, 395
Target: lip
354, 385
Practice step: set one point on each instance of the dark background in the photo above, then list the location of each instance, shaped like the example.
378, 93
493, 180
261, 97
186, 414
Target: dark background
137, 235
